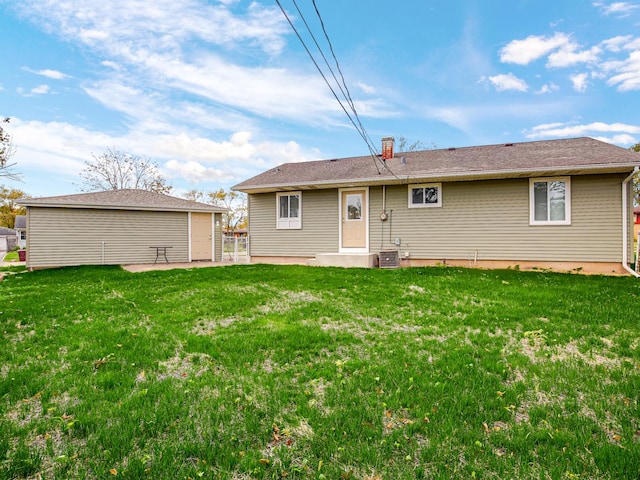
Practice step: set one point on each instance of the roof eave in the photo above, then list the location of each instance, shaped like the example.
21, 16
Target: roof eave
439, 177
93, 206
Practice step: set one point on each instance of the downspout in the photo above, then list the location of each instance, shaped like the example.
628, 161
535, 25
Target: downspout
625, 224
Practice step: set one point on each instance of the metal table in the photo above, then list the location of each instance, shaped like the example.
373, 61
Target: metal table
161, 250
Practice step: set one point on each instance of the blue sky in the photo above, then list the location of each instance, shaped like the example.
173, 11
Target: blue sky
218, 91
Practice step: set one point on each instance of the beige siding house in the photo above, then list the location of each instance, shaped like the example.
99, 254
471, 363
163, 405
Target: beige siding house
559, 204
119, 227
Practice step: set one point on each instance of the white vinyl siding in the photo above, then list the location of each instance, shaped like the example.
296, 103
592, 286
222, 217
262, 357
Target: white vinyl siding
289, 210
79, 236
550, 201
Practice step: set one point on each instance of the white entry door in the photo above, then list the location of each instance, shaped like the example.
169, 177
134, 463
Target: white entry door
354, 224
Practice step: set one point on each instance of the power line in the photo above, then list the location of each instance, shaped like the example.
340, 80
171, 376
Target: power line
347, 95
344, 83
359, 128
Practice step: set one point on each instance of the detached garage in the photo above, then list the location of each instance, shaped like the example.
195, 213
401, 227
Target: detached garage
120, 227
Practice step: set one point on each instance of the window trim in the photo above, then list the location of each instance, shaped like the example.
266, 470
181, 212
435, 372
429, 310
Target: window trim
438, 204
289, 223
567, 201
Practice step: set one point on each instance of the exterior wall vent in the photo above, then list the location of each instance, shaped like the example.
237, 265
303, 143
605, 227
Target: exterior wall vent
389, 259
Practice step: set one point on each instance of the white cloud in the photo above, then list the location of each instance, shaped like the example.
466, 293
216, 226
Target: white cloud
166, 46
579, 82
505, 82
568, 56
59, 148
619, 139
39, 90
366, 88
469, 118
110, 64
161, 25
548, 88
195, 173
185, 157
619, 133
52, 74
625, 74
617, 44
523, 52
603, 61
620, 9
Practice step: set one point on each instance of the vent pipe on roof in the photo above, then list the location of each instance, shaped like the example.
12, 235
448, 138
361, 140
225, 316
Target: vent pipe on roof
387, 147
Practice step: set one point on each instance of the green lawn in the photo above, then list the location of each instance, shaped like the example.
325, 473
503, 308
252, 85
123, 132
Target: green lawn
256, 372
10, 257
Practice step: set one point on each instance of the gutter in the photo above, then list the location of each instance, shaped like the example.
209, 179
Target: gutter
97, 206
625, 224
401, 178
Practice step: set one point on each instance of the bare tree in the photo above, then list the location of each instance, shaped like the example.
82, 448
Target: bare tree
235, 203
115, 170
403, 145
195, 196
6, 152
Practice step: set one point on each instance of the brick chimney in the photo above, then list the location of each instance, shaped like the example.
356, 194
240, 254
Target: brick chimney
387, 148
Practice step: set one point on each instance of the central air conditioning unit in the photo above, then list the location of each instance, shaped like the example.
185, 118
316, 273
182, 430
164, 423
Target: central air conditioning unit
389, 259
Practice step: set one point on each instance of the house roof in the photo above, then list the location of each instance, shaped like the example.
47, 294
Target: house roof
21, 222
125, 199
513, 160
4, 231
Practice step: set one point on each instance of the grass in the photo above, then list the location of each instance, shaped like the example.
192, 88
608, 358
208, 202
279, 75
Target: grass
268, 372
11, 257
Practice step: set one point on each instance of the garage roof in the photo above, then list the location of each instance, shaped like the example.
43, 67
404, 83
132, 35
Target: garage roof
124, 199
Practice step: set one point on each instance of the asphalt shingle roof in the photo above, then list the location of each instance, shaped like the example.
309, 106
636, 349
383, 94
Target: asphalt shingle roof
125, 199
552, 157
21, 222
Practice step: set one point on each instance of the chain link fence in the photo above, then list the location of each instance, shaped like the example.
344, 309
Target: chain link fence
235, 249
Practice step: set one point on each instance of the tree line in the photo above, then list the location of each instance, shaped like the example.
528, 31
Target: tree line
115, 169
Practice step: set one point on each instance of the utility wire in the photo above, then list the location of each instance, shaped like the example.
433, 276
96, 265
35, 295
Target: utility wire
358, 128
347, 95
344, 83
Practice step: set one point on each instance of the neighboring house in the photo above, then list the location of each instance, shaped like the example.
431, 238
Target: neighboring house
238, 232
21, 229
120, 227
636, 222
556, 204
8, 239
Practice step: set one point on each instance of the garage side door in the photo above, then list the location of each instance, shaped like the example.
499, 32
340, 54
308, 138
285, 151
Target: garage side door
201, 240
